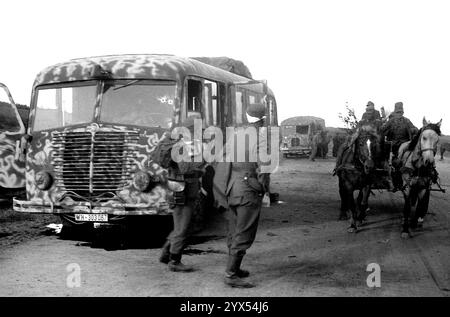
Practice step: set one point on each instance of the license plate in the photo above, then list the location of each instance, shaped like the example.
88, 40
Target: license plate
92, 217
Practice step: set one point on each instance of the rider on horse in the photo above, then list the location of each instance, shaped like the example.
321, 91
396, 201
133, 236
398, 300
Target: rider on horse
370, 123
398, 130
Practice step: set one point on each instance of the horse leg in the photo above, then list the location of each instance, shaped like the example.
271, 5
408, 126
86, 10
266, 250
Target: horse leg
351, 202
422, 207
344, 204
364, 204
406, 212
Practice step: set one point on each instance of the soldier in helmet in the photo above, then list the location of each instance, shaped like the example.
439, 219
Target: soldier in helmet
371, 116
187, 177
398, 129
240, 187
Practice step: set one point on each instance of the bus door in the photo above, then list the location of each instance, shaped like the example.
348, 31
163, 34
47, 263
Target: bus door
12, 161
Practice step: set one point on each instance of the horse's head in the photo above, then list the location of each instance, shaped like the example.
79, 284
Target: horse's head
428, 140
368, 149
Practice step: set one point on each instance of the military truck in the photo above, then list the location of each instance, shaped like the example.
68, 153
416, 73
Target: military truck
297, 134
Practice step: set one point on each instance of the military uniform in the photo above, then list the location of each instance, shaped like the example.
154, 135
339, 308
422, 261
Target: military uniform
183, 204
398, 129
314, 145
371, 116
239, 187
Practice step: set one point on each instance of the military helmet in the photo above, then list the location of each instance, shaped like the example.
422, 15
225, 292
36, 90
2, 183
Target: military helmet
398, 107
370, 106
255, 112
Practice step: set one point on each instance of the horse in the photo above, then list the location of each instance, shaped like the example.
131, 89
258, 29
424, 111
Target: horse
417, 170
355, 172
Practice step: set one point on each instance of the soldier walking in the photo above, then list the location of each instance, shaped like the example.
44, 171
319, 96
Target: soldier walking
186, 177
239, 187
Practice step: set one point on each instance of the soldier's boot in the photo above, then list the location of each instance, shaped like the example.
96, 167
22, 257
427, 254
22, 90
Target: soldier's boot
165, 253
175, 264
234, 275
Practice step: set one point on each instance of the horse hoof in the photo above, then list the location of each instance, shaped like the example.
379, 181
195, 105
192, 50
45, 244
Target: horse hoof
351, 230
405, 235
420, 223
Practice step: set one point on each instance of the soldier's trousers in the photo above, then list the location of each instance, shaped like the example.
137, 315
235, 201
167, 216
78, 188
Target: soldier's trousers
242, 227
182, 216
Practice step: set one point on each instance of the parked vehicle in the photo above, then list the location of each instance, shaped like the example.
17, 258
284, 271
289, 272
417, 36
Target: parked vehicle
297, 134
95, 122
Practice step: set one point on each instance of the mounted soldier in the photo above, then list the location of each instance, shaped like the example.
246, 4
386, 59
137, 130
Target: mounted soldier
370, 123
371, 116
398, 130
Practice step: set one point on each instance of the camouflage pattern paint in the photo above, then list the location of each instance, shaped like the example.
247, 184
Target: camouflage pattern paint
42, 152
12, 163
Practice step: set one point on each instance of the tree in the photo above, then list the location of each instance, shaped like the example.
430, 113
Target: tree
349, 118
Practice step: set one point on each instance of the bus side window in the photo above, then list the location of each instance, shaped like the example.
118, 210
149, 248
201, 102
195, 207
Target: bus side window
211, 111
239, 110
222, 109
194, 98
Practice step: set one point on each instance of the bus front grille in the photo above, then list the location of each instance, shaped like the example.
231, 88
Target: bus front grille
92, 163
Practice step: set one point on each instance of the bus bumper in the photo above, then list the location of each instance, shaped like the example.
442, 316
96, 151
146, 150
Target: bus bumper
118, 209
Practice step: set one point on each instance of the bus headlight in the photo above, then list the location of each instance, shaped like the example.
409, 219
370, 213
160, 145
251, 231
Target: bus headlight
43, 180
141, 180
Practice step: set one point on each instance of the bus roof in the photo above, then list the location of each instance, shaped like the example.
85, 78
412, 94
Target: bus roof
145, 66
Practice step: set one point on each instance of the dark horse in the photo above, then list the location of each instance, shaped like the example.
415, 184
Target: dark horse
355, 172
417, 169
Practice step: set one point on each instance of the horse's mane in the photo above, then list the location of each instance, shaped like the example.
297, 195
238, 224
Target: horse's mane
430, 126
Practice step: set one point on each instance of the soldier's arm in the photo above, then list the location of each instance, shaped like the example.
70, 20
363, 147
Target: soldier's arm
262, 175
386, 127
412, 127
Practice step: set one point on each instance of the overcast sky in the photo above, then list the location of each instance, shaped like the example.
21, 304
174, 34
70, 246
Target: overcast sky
316, 55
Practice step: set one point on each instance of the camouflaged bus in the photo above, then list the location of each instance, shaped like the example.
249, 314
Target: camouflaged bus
12, 159
94, 123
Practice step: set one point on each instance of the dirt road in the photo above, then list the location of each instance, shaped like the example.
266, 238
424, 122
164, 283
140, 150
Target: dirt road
300, 250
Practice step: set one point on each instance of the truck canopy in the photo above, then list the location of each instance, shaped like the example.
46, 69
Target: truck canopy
304, 120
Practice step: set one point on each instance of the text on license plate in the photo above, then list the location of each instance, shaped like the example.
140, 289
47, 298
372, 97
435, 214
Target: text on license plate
92, 217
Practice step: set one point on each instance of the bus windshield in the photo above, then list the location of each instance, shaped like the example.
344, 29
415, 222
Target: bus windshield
139, 102
64, 106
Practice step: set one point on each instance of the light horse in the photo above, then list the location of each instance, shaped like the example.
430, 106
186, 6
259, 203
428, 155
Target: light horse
417, 169
356, 172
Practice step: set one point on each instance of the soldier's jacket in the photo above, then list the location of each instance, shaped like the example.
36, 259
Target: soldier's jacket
399, 129
187, 172
240, 183
371, 115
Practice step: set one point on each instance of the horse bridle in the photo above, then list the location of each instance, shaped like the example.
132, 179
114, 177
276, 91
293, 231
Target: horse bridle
368, 142
434, 149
